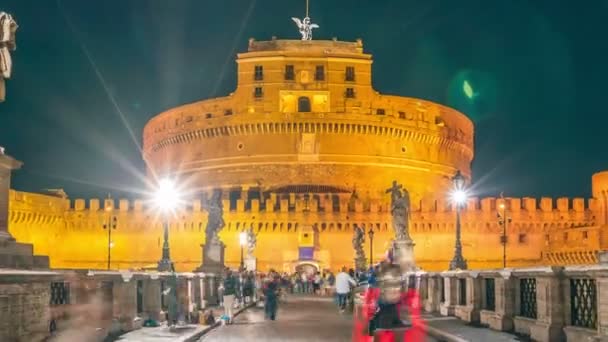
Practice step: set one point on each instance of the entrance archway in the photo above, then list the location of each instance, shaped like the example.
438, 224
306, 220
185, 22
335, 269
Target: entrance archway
307, 267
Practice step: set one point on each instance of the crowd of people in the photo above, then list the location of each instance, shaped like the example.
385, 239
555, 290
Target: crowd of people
240, 288
382, 296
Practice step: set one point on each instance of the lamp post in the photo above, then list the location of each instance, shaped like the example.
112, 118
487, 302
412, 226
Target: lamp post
166, 199
503, 220
242, 242
459, 197
110, 225
371, 246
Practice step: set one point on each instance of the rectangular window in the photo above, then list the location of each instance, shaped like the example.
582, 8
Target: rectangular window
462, 292
583, 303
380, 111
208, 116
585, 235
350, 74
320, 73
258, 92
522, 238
527, 297
289, 73
258, 73
60, 293
228, 112
401, 115
350, 93
490, 303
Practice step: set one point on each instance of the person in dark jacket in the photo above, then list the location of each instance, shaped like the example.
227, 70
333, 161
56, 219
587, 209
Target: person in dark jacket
271, 290
230, 284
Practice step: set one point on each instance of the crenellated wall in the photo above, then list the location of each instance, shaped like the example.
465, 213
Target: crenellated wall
560, 231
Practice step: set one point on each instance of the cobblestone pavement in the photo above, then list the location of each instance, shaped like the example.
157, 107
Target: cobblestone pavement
299, 319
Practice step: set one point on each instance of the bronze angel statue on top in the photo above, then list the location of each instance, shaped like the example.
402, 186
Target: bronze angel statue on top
305, 27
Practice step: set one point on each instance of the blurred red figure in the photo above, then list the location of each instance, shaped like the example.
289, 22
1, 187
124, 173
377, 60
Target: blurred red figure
379, 315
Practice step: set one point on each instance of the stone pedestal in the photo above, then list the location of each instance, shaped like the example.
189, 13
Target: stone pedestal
13, 254
152, 297
210, 285
213, 258
433, 300
403, 251
125, 305
250, 263
502, 316
449, 286
361, 263
470, 311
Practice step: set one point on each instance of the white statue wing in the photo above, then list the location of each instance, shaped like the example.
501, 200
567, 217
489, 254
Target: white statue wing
313, 26
297, 21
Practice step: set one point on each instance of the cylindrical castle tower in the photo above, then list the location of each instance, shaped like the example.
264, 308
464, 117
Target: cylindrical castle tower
305, 118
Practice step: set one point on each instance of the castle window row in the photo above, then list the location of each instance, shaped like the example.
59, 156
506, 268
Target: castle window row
306, 127
290, 75
258, 92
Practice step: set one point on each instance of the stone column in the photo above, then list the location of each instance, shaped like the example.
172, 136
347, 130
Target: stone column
550, 308
125, 304
433, 300
183, 298
470, 311
602, 305
152, 299
549, 322
7, 165
13, 254
447, 307
210, 289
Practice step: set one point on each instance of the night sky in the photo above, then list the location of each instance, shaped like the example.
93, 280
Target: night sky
88, 75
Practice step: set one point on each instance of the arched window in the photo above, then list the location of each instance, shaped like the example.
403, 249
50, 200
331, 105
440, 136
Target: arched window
303, 104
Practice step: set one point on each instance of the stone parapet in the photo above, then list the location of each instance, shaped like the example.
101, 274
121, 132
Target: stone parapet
545, 303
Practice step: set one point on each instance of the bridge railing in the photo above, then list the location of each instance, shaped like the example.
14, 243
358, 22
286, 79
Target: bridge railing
544, 303
100, 302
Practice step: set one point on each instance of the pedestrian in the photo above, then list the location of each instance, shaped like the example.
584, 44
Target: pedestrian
248, 288
230, 285
271, 289
316, 283
343, 285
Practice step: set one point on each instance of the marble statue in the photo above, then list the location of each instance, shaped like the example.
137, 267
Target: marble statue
400, 207
251, 242
358, 240
8, 28
215, 221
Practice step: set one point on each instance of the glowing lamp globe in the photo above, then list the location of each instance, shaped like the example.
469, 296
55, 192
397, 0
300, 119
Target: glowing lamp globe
459, 196
166, 196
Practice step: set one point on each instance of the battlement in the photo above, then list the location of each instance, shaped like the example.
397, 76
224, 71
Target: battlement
308, 47
240, 201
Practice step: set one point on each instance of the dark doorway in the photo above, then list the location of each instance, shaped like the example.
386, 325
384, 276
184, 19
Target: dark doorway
303, 104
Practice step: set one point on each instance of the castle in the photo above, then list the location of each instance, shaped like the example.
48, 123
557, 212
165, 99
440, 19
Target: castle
303, 150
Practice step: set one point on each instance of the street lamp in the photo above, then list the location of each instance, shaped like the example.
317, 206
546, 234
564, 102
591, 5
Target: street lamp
459, 198
110, 225
503, 220
166, 199
371, 247
242, 242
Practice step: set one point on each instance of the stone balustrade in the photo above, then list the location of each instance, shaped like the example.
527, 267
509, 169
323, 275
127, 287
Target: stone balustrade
93, 304
544, 303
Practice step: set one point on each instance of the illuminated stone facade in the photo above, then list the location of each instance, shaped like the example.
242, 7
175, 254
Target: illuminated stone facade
302, 150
